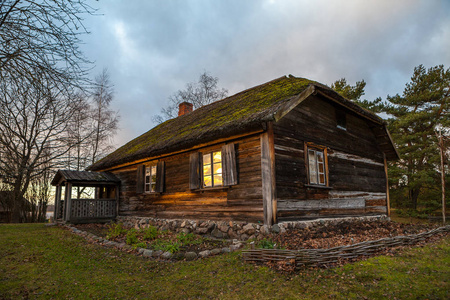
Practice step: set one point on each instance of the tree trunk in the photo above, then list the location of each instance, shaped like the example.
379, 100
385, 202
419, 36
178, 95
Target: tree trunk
413, 196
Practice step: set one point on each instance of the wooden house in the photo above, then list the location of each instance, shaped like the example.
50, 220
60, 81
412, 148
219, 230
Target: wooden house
289, 149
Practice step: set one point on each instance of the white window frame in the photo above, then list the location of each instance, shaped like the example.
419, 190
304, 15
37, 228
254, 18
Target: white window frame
150, 178
317, 165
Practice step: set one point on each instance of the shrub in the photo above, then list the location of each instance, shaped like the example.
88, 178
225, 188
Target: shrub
150, 233
266, 244
132, 237
115, 230
167, 246
189, 239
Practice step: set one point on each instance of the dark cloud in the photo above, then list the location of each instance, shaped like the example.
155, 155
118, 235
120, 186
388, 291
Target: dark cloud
153, 48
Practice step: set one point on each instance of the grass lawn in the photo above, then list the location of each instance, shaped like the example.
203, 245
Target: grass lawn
50, 262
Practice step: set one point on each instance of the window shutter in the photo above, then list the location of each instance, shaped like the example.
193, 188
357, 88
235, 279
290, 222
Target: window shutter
160, 176
194, 171
140, 179
229, 165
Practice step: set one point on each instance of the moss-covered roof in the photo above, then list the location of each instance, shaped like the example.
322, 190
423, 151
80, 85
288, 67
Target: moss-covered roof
236, 114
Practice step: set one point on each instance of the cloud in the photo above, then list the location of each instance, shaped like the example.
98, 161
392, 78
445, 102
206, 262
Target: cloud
154, 48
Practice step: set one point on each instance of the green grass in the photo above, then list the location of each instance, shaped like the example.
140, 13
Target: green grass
50, 262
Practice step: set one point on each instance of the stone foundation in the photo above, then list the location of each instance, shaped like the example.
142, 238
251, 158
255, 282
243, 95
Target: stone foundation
233, 230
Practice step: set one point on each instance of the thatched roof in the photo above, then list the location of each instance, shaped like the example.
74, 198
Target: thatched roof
236, 114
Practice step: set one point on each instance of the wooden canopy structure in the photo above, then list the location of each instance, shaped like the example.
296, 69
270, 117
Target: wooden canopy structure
103, 207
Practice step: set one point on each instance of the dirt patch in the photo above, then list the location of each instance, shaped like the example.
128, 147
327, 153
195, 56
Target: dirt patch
344, 233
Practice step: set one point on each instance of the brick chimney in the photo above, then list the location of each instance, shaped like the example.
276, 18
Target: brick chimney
185, 108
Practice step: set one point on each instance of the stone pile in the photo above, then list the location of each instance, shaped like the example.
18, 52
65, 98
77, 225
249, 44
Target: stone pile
232, 229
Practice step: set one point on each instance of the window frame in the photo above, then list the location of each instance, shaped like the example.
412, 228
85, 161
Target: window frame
212, 174
149, 167
317, 149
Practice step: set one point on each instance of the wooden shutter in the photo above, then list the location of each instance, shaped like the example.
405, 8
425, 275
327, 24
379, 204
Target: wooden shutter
140, 179
160, 176
229, 165
194, 171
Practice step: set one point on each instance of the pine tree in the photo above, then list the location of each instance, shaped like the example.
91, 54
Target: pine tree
414, 116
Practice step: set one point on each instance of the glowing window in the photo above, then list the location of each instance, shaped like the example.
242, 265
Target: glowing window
212, 169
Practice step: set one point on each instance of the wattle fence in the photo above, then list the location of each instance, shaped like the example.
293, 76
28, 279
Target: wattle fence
316, 257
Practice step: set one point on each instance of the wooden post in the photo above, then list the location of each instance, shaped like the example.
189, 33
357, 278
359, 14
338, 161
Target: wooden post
268, 176
441, 150
388, 204
68, 201
57, 202
116, 194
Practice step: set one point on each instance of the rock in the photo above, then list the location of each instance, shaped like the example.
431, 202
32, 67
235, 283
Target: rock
121, 245
249, 229
226, 250
264, 229
236, 247
157, 253
232, 234
205, 253
217, 233
223, 227
215, 251
244, 237
140, 250
185, 230
166, 255
183, 224
201, 230
147, 253
190, 255
275, 228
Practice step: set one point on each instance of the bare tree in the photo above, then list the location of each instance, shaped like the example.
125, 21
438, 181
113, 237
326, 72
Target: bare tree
44, 36
200, 93
33, 134
105, 120
41, 72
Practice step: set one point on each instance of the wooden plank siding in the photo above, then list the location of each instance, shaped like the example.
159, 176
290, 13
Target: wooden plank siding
357, 182
240, 202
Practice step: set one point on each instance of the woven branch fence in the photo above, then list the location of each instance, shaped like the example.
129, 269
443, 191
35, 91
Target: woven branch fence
317, 257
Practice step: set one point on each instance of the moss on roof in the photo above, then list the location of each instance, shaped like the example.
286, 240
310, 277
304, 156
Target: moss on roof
233, 115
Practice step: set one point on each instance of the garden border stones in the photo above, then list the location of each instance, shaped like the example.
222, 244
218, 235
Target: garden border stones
233, 229
148, 253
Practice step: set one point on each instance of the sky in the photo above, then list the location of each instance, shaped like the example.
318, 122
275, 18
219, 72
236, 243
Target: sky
153, 48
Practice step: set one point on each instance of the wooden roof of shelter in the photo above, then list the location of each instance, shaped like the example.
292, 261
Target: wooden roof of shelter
242, 112
84, 177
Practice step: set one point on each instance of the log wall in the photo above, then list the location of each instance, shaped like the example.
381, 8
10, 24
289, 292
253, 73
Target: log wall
357, 184
241, 202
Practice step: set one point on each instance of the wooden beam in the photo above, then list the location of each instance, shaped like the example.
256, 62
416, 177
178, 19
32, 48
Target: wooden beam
117, 193
388, 204
268, 176
68, 201
57, 202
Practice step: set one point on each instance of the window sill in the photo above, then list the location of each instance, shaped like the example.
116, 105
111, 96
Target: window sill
314, 186
217, 188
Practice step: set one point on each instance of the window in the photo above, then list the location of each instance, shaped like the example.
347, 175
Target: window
341, 119
150, 178
212, 169
317, 165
